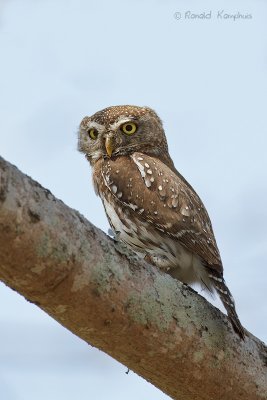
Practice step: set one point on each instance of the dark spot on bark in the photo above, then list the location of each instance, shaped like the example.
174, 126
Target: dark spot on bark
3, 187
48, 194
36, 195
95, 292
263, 354
2, 195
80, 217
34, 216
203, 329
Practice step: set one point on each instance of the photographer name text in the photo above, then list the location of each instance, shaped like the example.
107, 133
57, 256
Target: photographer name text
207, 15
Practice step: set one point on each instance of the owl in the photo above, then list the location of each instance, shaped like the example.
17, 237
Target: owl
148, 203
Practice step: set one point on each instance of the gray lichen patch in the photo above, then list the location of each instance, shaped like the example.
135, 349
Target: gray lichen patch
153, 306
48, 246
106, 273
5, 176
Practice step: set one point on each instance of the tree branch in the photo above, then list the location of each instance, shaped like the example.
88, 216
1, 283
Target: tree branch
104, 294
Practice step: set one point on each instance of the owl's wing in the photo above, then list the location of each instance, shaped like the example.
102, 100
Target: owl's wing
160, 196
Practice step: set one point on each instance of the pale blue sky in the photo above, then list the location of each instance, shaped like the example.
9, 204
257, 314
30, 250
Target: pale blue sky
207, 79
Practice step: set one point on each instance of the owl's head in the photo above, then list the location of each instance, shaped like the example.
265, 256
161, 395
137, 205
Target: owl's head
122, 130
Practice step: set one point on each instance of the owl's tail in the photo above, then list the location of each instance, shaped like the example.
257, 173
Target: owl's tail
228, 302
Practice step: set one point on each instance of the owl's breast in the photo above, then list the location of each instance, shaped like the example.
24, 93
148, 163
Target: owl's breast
109, 181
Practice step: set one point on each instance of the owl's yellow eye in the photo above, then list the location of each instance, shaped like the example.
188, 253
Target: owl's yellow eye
93, 133
129, 128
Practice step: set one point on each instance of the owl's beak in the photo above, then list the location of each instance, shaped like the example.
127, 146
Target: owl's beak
109, 145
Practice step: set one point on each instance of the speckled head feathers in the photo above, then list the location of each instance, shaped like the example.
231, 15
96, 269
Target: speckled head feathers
112, 114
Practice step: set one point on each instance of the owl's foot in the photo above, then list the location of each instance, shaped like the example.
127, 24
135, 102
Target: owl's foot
115, 235
149, 259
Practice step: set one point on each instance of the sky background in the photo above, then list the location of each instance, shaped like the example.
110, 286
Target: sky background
206, 78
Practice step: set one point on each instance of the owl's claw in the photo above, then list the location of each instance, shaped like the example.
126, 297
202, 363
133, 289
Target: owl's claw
114, 235
111, 233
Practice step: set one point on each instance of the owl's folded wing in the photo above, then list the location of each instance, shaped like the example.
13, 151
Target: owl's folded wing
155, 193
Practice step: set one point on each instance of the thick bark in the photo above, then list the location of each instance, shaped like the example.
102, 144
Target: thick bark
155, 325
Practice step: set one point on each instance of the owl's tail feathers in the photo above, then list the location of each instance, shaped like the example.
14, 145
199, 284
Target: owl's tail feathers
228, 302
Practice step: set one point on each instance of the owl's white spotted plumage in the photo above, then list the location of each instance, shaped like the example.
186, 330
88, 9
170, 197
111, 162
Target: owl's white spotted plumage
149, 205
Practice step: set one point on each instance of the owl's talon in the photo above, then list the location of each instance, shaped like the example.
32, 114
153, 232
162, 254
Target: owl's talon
114, 235
111, 233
